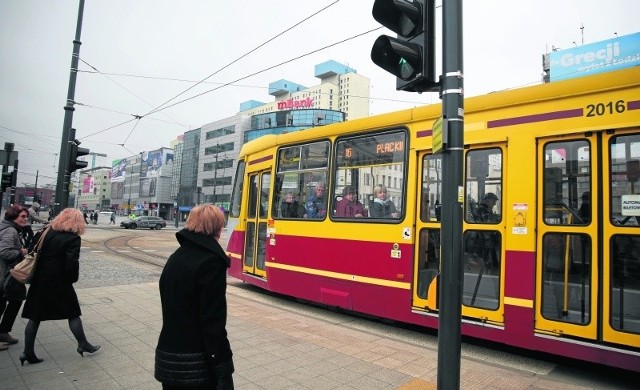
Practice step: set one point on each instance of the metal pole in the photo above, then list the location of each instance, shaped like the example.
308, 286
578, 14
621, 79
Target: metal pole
62, 183
35, 189
130, 181
450, 298
177, 210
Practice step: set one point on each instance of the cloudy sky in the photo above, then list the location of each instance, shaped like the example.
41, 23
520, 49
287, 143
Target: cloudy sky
138, 55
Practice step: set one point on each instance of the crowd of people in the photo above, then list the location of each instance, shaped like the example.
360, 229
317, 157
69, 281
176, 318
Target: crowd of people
346, 206
193, 349
51, 295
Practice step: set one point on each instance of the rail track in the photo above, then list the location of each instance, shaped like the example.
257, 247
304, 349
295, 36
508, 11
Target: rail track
142, 248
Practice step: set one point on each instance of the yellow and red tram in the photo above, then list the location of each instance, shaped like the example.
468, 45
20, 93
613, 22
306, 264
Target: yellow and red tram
551, 241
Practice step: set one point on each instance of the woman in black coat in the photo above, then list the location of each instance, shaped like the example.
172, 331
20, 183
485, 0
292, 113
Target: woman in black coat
193, 349
51, 295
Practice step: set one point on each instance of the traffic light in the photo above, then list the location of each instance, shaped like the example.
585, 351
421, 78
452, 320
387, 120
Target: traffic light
7, 180
410, 56
74, 153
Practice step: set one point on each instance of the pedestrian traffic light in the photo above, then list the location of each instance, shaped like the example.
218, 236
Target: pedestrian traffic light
7, 180
410, 56
74, 153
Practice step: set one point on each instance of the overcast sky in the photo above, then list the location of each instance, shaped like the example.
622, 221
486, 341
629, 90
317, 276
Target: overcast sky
138, 54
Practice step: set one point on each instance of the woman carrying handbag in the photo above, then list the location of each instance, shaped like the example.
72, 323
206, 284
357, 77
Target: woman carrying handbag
12, 292
51, 295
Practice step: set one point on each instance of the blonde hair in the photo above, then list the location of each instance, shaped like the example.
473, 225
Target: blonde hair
206, 219
379, 188
69, 220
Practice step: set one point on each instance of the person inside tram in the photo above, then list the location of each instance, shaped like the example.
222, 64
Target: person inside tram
484, 213
349, 206
316, 206
585, 208
290, 208
381, 207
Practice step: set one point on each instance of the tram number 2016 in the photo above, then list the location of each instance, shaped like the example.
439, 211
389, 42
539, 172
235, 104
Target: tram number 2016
600, 109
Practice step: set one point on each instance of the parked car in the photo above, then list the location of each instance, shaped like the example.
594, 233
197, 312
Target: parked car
144, 222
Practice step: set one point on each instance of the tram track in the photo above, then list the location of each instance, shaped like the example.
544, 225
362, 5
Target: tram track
125, 247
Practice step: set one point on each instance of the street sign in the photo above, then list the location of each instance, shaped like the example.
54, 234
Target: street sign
8, 157
436, 133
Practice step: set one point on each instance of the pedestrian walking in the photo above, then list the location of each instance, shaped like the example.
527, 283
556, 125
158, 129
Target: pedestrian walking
51, 295
112, 218
33, 213
12, 292
193, 349
94, 217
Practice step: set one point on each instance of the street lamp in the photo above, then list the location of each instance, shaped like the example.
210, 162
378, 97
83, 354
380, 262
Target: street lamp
130, 181
215, 174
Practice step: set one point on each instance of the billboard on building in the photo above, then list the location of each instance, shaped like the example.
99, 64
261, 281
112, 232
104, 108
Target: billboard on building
118, 170
151, 165
88, 185
604, 56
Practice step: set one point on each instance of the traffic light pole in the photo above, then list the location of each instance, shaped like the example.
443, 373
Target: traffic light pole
450, 305
62, 182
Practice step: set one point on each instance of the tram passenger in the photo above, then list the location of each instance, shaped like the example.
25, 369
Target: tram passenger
316, 206
488, 242
349, 206
290, 208
484, 213
585, 208
193, 348
381, 207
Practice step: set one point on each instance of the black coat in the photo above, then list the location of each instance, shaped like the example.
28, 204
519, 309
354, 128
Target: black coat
193, 346
51, 295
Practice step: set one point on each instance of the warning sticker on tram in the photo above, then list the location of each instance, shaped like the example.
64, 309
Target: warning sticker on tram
631, 205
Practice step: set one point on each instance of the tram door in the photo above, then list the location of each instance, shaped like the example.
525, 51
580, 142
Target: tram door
427, 253
621, 237
257, 207
588, 244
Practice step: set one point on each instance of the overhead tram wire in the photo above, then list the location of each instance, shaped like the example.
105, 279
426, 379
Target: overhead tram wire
123, 87
125, 113
270, 68
160, 107
223, 84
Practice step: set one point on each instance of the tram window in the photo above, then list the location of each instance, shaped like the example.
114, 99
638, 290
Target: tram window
265, 183
301, 172
625, 283
429, 261
365, 163
430, 202
253, 196
236, 198
484, 186
566, 270
624, 164
481, 259
567, 183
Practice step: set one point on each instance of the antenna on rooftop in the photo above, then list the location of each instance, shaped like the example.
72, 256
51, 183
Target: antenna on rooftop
582, 32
